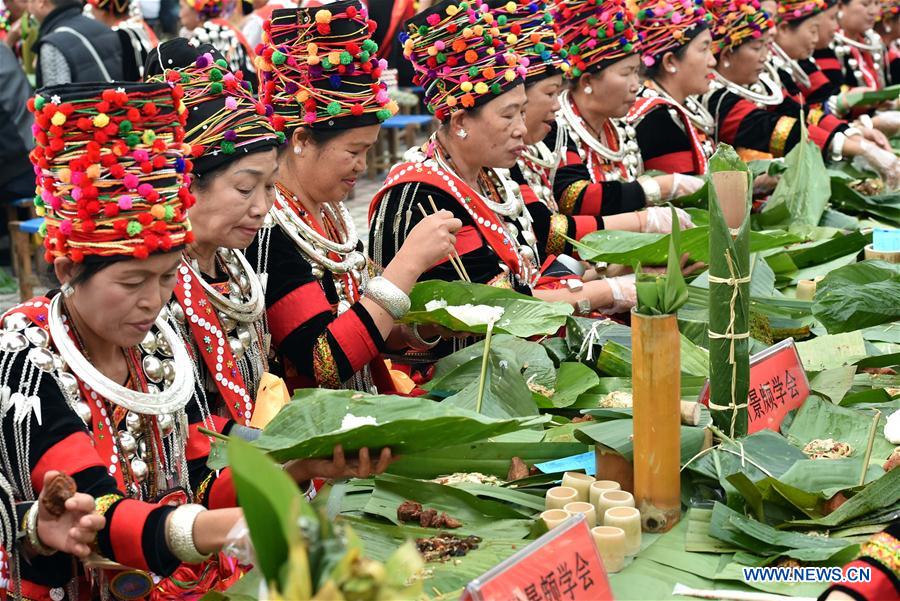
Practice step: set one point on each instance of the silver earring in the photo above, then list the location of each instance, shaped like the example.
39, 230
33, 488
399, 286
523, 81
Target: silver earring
67, 290
672, 70
297, 149
588, 90
462, 133
726, 64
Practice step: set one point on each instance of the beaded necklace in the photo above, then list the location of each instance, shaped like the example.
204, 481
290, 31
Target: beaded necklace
856, 53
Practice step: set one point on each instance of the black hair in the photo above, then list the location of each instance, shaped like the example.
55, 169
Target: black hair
83, 272
655, 70
202, 180
318, 136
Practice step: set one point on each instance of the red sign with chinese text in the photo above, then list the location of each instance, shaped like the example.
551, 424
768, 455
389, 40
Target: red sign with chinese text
564, 564
778, 384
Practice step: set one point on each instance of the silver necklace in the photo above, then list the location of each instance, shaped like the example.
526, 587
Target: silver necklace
693, 108
580, 131
242, 281
765, 92
842, 46
512, 204
781, 60
173, 398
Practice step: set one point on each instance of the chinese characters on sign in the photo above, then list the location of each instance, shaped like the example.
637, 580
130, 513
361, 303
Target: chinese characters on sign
778, 384
562, 565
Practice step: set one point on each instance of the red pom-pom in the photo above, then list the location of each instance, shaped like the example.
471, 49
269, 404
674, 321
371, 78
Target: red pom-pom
66, 108
141, 252
147, 167
452, 27
151, 241
117, 171
356, 110
88, 226
120, 225
323, 28
84, 124
351, 12
189, 237
76, 255
110, 210
145, 219
159, 161
150, 109
103, 107
108, 95
165, 243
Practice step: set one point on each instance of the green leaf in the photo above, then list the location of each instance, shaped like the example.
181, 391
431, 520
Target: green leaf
858, 296
881, 493
492, 458
572, 380
523, 316
832, 351
617, 435
310, 425
271, 502
506, 394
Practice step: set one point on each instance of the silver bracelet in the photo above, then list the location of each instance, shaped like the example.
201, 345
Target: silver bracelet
652, 193
420, 343
866, 121
31, 530
180, 533
837, 146
386, 295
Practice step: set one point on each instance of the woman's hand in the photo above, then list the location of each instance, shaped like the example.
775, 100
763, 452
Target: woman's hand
430, 241
875, 136
685, 268
73, 531
677, 185
339, 467
658, 220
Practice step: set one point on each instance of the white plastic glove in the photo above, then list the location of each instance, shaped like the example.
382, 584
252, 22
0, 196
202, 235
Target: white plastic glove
624, 294
659, 220
887, 121
682, 185
883, 161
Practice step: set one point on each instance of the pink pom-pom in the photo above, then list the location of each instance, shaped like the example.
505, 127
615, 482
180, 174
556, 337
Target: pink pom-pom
309, 118
56, 203
77, 178
433, 19
440, 45
676, 18
140, 155
649, 61
382, 97
525, 61
65, 227
76, 194
231, 103
131, 181
125, 203
145, 190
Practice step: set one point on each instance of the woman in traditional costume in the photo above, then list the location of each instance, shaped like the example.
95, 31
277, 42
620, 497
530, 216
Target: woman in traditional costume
856, 57
598, 182
233, 150
474, 86
329, 314
136, 36
888, 27
674, 130
111, 171
206, 22
754, 111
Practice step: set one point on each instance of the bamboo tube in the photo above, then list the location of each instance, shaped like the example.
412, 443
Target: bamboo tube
732, 187
612, 466
656, 382
806, 289
888, 256
690, 413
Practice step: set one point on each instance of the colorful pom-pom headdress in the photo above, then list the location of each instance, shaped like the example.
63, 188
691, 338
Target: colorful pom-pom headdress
120, 8
790, 11
318, 69
109, 160
460, 56
528, 29
213, 9
595, 33
666, 25
736, 21
225, 121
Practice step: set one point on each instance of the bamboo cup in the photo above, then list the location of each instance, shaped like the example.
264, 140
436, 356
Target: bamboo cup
890, 256
806, 289
601, 486
613, 498
559, 496
610, 542
580, 482
554, 517
629, 520
734, 203
586, 509
656, 380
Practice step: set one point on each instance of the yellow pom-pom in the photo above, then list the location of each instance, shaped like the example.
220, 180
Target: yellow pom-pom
40, 211
64, 175
478, 29
101, 120
393, 107
323, 16
93, 171
452, 10
451, 100
158, 211
432, 51
511, 7
334, 58
260, 64
466, 86
181, 108
488, 17
492, 51
312, 48
509, 75
313, 59
302, 96
481, 88
58, 118
511, 39
467, 32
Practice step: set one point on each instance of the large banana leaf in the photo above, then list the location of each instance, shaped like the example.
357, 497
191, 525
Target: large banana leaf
631, 248
885, 209
617, 435
492, 458
880, 494
615, 359
818, 419
523, 316
505, 394
858, 296
802, 193
310, 425
832, 351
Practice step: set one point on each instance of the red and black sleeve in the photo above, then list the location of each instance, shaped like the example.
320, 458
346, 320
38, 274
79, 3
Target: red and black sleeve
821, 86
830, 66
325, 348
664, 145
134, 534
576, 194
879, 558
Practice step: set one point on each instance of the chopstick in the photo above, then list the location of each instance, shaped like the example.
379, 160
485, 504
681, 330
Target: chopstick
462, 265
452, 257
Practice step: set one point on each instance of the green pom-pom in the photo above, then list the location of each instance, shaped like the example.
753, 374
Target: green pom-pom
423, 29
574, 49
501, 20
221, 62
346, 58
370, 46
576, 72
278, 58
601, 34
563, 53
39, 102
333, 108
185, 78
281, 137
473, 71
42, 230
216, 87
441, 58
39, 202
326, 64
539, 48
132, 140
592, 21
215, 75
170, 213
134, 228
548, 18
125, 127
383, 114
495, 88
227, 147
619, 27
364, 56
488, 40
628, 47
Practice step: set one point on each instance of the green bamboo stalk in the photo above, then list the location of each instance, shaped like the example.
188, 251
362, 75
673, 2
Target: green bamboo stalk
484, 365
869, 444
